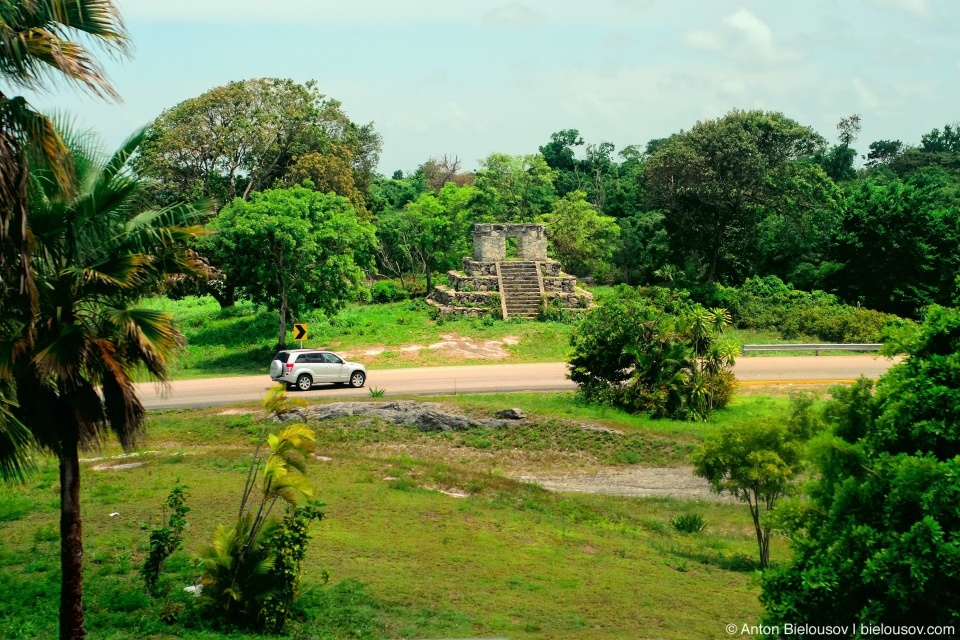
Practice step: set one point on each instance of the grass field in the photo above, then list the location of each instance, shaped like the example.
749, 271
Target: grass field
407, 560
240, 340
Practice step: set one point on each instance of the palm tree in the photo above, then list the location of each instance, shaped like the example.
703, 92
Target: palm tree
36, 46
94, 256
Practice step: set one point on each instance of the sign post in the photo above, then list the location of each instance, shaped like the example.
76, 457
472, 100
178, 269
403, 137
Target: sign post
299, 332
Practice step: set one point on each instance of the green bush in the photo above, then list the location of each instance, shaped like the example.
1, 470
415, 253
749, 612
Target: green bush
252, 569
384, 291
876, 542
632, 354
165, 540
769, 304
689, 523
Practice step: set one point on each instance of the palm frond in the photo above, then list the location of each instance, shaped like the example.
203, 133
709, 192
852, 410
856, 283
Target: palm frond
122, 271
38, 136
36, 43
150, 337
17, 444
123, 409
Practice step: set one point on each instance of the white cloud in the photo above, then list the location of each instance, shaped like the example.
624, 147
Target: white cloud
868, 99
917, 7
705, 40
513, 16
755, 30
757, 37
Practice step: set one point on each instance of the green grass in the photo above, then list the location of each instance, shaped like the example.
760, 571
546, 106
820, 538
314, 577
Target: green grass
407, 561
240, 340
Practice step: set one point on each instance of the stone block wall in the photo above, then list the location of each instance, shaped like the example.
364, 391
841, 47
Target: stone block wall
560, 284
550, 268
459, 282
490, 241
476, 291
473, 267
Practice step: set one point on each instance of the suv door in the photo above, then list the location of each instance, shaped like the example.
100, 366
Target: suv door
335, 367
313, 363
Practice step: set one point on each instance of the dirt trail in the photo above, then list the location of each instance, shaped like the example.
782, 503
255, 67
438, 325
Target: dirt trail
673, 482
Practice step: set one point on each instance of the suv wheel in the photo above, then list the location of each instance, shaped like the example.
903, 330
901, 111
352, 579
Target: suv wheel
357, 379
304, 382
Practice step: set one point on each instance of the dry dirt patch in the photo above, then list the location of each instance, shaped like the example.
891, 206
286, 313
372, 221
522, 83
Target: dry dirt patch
450, 344
672, 482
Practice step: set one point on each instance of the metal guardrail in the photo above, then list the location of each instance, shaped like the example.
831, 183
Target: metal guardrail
816, 348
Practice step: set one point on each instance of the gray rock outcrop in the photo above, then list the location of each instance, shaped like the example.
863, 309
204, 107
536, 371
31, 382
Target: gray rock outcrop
426, 416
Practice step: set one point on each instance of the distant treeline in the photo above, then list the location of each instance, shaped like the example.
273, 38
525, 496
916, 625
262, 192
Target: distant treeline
748, 194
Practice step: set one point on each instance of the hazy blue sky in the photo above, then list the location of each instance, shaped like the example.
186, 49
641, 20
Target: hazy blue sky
468, 79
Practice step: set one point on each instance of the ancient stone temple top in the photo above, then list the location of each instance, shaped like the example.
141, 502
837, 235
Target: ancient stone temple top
490, 242
511, 287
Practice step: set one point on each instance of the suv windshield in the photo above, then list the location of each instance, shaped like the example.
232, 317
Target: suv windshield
283, 356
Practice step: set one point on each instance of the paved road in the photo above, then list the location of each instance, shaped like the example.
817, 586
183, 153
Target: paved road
548, 376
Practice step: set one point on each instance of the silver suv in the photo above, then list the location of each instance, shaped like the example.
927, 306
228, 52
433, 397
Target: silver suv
303, 368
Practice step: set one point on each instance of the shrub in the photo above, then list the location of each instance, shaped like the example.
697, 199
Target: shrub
688, 523
165, 540
876, 542
554, 310
251, 571
629, 353
384, 291
769, 304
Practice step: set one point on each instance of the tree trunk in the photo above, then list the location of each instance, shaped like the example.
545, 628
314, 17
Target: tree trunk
226, 298
763, 534
71, 546
283, 323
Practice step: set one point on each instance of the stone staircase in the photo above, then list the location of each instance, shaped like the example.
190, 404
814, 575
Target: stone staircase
520, 288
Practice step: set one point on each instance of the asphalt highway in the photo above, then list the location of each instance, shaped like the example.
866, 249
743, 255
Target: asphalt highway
548, 376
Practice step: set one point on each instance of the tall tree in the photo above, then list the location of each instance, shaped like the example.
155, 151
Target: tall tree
898, 244
581, 239
428, 234
94, 255
795, 235
292, 250
513, 188
711, 182
244, 136
560, 156
837, 161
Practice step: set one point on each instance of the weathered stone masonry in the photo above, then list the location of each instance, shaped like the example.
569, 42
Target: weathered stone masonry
489, 282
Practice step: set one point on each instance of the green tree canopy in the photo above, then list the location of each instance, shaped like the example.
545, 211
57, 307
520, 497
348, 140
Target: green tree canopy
292, 250
580, 238
513, 188
898, 243
429, 234
712, 181
244, 136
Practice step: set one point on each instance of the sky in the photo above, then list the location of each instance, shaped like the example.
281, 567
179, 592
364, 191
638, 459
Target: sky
469, 79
